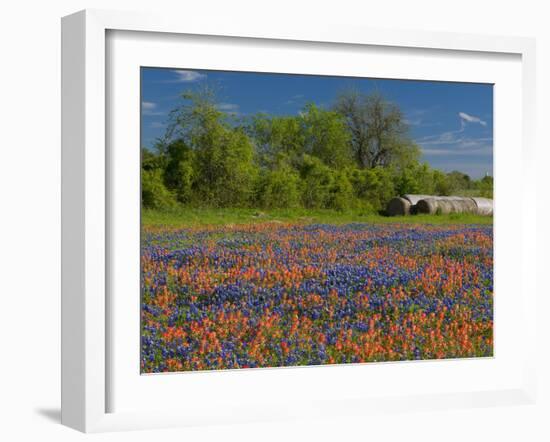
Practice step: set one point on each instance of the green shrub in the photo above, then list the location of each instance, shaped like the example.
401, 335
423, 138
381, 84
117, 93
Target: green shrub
440, 183
154, 194
279, 188
180, 171
485, 187
317, 180
415, 178
341, 195
373, 186
326, 136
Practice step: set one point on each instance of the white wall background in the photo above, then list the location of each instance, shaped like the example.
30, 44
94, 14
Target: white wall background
30, 214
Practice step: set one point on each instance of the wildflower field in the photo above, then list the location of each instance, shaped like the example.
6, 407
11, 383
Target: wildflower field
274, 294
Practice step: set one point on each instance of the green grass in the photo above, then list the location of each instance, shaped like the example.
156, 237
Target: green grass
188, 217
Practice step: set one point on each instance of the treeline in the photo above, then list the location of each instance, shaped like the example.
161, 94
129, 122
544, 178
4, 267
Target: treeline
357, 154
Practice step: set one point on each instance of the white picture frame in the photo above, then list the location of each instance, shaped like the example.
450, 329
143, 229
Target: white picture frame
86, 207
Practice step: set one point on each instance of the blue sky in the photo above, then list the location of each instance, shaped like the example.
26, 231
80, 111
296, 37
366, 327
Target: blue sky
451, 122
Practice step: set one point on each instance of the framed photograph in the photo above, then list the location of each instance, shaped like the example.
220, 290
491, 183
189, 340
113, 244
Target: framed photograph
270, 223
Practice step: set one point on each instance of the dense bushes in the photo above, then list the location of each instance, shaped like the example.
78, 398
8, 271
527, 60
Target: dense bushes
179, 173
279, 188
154, 193
355, 156
374, 186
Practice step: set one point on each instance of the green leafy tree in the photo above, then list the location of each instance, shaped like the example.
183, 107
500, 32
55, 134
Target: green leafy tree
459, 182
151, 160
154, 194
440, 183
279, 188
317, 180
373, 186
416, 178
224, 170
326, 137
234, 185
179, 172
275, 137
341, 195
485, 186
378, 133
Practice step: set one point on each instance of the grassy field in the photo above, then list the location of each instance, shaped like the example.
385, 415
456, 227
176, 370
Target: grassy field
188, 217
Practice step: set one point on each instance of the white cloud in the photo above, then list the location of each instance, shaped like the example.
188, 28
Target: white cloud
457, 142
449, 137
470, 153
416, 122
466, 118
415, 117
450, 143
480, 150
148, 105
150, 108
228, 107
295, 99
183, 76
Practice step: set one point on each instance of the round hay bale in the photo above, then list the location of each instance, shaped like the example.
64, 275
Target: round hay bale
427, 206
462, 205
413, 199
484, 206
445, 205
469, 207
398, 207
